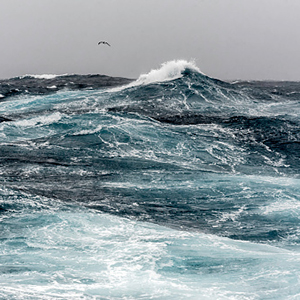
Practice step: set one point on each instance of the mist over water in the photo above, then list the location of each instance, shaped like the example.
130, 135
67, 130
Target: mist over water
175, 185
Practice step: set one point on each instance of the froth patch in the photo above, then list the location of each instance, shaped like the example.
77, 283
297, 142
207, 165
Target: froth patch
40, 121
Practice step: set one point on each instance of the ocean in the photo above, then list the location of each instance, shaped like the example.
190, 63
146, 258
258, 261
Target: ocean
175, 185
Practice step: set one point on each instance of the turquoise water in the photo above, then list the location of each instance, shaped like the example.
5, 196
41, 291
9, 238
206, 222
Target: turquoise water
174, 186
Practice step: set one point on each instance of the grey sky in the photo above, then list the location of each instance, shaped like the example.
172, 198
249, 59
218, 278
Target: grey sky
228, 39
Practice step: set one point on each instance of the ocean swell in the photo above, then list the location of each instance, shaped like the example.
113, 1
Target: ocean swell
184, 183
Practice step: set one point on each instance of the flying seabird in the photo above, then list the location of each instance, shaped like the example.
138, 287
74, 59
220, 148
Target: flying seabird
105, 43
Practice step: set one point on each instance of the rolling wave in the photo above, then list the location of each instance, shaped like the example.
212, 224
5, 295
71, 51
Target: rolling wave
176, 179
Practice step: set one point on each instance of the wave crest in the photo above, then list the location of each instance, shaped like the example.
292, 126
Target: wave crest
42, 76
168, 71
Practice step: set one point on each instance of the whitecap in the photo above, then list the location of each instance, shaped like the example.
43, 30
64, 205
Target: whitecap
42, 76
168, 71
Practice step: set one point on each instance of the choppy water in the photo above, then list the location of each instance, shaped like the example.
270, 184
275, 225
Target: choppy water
173, 186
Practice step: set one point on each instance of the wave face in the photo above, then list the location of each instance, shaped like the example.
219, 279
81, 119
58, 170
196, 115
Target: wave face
176, 185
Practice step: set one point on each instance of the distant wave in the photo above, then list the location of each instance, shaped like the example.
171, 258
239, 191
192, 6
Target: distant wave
43, 76
49, 83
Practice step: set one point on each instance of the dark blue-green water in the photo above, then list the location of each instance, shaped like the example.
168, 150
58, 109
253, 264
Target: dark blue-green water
173, 186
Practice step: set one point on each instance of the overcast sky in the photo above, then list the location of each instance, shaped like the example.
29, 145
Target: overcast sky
228, 39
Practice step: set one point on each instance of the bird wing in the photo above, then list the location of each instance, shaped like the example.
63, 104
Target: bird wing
103, 42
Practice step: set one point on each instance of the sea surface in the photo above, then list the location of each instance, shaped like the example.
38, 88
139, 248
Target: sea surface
175, 185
